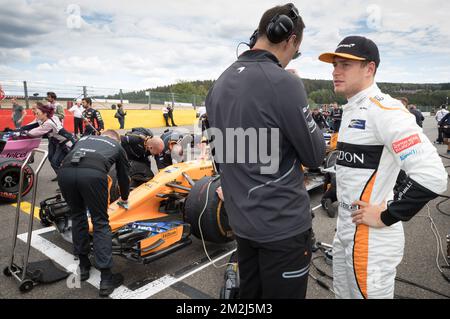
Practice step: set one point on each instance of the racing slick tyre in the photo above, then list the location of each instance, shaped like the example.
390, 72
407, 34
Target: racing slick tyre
10, 178
210, 210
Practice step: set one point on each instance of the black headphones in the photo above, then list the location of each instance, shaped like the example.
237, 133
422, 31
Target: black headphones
280, 27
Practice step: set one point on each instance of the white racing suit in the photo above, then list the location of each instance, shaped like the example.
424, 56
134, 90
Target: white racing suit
378, 137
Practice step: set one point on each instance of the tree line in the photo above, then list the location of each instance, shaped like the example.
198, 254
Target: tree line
319, 92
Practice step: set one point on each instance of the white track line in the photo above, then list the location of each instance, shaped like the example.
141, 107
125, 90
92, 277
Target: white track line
63, 258
66, 260
167, 281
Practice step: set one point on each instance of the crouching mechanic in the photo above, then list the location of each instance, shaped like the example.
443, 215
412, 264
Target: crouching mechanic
139, 148
378, 137
83, 179
172, 151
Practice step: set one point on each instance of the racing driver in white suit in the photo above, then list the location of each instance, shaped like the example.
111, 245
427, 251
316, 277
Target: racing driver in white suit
378, 138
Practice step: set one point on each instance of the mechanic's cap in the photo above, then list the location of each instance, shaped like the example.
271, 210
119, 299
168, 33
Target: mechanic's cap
354, 48
176, 136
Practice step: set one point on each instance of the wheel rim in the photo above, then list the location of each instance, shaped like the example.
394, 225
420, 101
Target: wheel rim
28, 286
10, 181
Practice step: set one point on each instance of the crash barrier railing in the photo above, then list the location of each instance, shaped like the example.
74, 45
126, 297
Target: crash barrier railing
27, 92
20, 272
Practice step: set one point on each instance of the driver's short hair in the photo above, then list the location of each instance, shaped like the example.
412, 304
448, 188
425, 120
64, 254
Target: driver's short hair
88, 100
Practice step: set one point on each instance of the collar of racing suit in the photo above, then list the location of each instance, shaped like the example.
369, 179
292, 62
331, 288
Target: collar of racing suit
358, 98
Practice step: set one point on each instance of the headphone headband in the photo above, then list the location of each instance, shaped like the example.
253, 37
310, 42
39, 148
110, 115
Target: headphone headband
280, 28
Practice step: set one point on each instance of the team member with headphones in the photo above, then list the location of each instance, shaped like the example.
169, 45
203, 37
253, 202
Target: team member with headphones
269, 213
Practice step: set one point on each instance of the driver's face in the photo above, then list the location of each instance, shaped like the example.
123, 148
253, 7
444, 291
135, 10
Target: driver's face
348, 77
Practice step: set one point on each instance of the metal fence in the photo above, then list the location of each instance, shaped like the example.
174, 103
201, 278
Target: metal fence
29, 92
105, 98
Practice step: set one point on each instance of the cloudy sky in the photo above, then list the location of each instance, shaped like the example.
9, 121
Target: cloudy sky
137, 44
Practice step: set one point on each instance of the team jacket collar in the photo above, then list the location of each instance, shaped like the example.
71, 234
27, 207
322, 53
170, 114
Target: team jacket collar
259, 56
358, 98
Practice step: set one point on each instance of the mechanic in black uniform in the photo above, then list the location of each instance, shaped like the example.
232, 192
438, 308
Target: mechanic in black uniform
268, 212
92, 118
139, 147
84, 183
171, 147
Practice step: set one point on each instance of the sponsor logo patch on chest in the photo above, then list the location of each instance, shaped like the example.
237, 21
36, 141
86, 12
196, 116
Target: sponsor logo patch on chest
358, 124
351, 158
406, 143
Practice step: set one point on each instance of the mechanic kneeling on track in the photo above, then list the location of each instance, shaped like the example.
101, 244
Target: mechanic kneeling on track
83, 179
268, 210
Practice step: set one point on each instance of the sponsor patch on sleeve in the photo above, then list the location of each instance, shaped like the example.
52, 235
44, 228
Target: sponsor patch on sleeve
406, 143
358, 124
408, 154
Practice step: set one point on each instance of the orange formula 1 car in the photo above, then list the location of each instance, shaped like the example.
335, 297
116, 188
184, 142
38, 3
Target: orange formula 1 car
162, 213
179, 201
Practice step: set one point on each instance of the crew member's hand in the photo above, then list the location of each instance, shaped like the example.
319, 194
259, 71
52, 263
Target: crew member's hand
123, 204
369, 215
